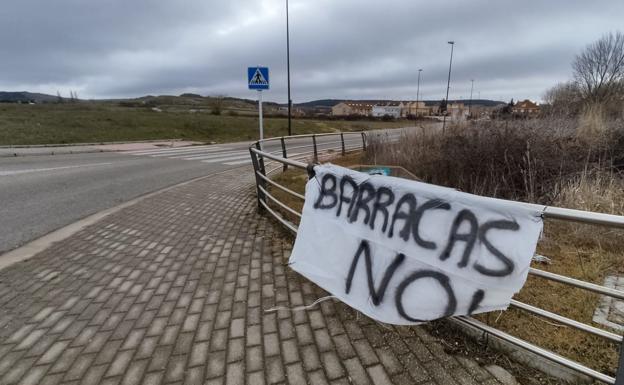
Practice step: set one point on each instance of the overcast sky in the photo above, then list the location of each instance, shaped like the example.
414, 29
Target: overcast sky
339, 48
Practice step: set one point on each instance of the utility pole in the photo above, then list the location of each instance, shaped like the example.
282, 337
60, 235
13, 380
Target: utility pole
470, 103
288, 72
448, 87
418, 91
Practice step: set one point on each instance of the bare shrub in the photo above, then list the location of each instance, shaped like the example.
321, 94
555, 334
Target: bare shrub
512, 159
564, 99
566, 162
592, 128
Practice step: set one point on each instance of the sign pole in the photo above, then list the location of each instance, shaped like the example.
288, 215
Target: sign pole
258, 79
260, 115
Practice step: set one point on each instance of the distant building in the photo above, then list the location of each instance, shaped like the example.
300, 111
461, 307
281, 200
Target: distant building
526, 107
392, 109
434, 109
352, 108
295, 111
478, 111
457, 111
321, 111
415, 109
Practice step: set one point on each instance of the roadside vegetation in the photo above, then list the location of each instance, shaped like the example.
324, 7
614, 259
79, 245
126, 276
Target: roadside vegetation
550, 162
572, 156
95, 122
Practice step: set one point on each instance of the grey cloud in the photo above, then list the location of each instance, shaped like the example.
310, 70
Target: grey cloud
339, 49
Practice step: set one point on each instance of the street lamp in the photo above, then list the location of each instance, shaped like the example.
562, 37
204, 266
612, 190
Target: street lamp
448, 86
418, 90
288, 71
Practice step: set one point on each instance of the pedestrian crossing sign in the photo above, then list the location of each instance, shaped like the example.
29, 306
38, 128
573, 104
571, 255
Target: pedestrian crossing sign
258, 78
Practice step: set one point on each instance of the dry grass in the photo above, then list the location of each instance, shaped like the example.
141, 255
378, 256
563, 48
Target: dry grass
585, 252
548, 162
295, 179
593, 127
563, 163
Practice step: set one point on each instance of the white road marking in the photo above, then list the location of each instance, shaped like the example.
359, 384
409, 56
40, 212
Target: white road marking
292, 156
189, 153
16, 172
225, 159
207, 154
172, 149
244, 161
214, 155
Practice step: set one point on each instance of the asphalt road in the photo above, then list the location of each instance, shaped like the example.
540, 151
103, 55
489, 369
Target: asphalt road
41, 193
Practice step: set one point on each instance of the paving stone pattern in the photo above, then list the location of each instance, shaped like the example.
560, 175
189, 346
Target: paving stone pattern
173, 290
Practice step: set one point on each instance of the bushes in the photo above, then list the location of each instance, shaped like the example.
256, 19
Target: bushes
527, 160
574, 163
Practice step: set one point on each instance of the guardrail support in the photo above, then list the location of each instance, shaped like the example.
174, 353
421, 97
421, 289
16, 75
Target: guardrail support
343, 145
363, 141
284, 152
256, 166
315, 149
260, 159
619, 375
259, 166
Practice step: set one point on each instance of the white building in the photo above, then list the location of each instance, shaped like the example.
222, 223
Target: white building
392, 109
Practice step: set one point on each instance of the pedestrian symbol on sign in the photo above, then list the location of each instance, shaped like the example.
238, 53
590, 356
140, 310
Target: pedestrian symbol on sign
258, 78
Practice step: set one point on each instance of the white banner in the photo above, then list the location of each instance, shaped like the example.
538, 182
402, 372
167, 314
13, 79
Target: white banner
404, 252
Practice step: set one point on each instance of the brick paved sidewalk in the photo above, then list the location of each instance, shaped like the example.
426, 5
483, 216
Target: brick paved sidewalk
173, 289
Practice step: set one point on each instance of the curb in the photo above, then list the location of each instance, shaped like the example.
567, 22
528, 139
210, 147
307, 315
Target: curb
85, 151
87, 144
64, 149
521, 355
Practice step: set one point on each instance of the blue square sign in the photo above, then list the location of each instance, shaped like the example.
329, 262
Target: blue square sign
258, 78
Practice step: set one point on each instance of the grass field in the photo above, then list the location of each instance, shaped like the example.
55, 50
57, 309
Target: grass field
23, 124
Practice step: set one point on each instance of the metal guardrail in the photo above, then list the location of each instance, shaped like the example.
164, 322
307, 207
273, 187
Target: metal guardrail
350, 141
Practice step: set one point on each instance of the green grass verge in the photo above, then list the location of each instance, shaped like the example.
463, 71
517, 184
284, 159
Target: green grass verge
22, 124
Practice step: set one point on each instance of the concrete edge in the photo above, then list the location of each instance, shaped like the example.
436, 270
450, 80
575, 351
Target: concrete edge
65, 149
521, 355
44, 153
36, 246
87, 143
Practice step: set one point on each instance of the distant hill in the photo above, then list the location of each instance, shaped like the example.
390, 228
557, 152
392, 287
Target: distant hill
26, 97
333, 102
188, 98
318, 103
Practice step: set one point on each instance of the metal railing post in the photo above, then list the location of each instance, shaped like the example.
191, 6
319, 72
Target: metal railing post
619, 375
363, 141
315, 149
256, 166
284, 152
343, 145
262, 170
260, 160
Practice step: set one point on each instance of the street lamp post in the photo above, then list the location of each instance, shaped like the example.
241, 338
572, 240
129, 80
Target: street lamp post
288, 71
470, 103
448, 86
418, 91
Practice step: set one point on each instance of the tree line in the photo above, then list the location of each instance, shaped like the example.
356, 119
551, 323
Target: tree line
597, 81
